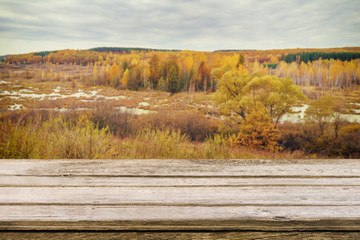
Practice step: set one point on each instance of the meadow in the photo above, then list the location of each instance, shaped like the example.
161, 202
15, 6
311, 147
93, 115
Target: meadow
76, 110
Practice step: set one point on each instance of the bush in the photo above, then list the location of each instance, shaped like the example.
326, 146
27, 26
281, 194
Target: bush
193, 124
17, 141
217, 147
156, 143
54, 138
307, 138
258, 131
119, 123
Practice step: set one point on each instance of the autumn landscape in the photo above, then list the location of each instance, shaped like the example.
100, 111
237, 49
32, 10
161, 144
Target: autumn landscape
148, 103
179, 80
159, 119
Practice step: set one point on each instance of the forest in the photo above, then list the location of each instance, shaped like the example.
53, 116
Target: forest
313, 56
187, 104
175, 71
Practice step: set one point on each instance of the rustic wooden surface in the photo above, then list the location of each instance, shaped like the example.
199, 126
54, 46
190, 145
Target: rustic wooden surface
66, 235
271, 199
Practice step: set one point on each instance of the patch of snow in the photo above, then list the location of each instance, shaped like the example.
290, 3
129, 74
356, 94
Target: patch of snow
111, 98
27, 93
57, 90
51, 109
15, 107
147, 99
4, 82
351, 117
135, 111
25, 90
6, 92
299, 115
33, 95
81, 93
94, 92
144, 104
21, 94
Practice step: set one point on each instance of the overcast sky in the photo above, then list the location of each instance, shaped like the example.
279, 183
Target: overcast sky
34, 25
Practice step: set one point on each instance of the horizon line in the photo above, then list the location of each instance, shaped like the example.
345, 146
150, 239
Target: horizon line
168, 49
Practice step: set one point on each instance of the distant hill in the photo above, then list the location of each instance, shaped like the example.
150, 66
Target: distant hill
44, 53
128, 49
234, 50
268, 57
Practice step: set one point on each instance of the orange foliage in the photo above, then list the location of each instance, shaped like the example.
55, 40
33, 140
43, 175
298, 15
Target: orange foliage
258, 131
195, 67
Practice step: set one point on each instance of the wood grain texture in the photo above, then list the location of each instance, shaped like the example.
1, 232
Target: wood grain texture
179, 167
188, 181
180, 195
57, 235
286, 195
176, 213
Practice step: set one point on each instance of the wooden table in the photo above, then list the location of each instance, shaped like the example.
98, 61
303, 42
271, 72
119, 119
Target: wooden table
101, 199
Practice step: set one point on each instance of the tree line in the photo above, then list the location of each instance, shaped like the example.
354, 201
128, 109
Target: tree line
312, 56
128, 49
176, 71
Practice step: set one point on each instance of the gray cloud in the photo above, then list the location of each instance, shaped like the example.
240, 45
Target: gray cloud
196, 24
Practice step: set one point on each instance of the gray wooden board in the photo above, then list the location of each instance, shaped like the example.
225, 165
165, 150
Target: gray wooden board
251, 235
178, 167
187, 181
180, 195
288, 195
174, 213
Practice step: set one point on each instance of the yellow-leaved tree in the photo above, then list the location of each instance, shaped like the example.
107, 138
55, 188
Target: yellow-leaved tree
256, 103
321, 112
238, 93
125, 79
94, 77
114, 75
257, 131
218, 73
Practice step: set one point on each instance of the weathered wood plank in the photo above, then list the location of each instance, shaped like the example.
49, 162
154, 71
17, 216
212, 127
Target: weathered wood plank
98, 181
180, 195
294, 195
57, 235
266, 218
178, 235
178, 167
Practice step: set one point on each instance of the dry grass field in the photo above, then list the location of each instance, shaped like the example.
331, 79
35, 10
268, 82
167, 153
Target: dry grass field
46, 99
